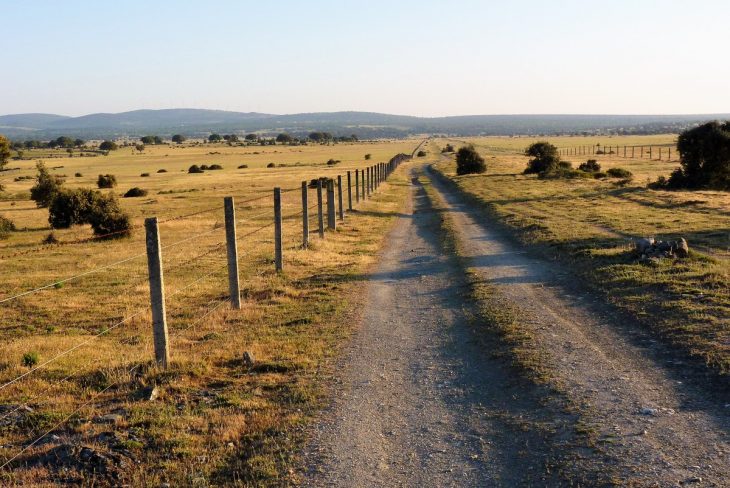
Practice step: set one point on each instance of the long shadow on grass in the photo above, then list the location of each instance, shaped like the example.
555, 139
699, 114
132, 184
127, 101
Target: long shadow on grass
703, 388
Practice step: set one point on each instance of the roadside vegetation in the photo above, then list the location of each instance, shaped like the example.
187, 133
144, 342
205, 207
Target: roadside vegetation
218, 418
591, 224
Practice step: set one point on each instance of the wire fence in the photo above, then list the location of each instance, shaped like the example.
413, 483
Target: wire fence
658, 152
331, 196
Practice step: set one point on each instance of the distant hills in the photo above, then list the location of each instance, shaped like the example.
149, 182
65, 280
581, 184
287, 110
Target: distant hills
200, 123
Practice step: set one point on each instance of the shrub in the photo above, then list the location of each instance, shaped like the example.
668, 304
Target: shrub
135, 192
544, 160
449, 148
30, 359
599, 174
195, 169
421, 154
106, 181
50, 239
619, 173
144, 175
243, 166
204, 167
215, 166
271, 165
46, 186
162, 171
590, 166
705, 158
78, 175
332, 162
468, 161
6, 227
86, 206
368, 156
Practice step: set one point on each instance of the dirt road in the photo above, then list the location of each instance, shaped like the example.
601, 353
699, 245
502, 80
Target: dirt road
421, 401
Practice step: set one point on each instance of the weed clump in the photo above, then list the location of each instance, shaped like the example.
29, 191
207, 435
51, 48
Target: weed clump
30, 359
144, 175
243, 166
619, 173
590, 166
162, 171
271, 165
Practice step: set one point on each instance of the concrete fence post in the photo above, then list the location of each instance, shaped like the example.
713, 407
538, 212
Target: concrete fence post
367, 175
349, 192
331, 221
232, 253
305, 215
340, 207
357, 185
278, 244
320, 211
157, 292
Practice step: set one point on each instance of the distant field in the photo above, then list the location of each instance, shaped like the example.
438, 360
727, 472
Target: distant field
290, 322
591, 223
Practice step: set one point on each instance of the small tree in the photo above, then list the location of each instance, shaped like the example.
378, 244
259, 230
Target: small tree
544, 160
178, 139
106, 181
284, 138
4, 151
139, 147
468, 161
214, 138
46, 187
705, 157
251, 137
108, 146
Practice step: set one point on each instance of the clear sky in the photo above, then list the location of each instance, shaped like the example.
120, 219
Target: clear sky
421, 57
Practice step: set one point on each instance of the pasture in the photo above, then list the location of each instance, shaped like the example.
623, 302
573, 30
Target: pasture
590, 224
217, 419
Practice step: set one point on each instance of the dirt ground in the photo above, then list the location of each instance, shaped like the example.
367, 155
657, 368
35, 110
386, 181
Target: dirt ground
420, 401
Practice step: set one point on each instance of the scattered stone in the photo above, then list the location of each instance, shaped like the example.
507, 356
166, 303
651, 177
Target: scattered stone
642, 244
248, 359
651, 251
150, 393
682, 249
110, 418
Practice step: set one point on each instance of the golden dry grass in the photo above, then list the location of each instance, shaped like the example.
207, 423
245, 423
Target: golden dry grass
589, 223
217, 421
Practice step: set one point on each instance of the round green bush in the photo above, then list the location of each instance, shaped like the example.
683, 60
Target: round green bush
135, 192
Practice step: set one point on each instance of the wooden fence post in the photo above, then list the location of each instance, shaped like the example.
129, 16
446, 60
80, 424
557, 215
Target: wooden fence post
331, 222
320, 213
157, 292
349, 192
305, 215
340, 207
232, 253
363, 183
278, 245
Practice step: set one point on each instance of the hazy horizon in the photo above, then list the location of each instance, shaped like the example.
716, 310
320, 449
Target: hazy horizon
409, 58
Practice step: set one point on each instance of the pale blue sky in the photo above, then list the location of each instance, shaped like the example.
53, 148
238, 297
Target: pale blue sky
408, 57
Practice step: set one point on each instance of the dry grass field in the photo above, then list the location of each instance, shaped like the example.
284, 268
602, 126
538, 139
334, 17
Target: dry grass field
217, 420
590, 223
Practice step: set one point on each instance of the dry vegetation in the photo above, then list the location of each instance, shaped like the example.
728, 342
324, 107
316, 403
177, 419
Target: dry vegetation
589, 224
217, 420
